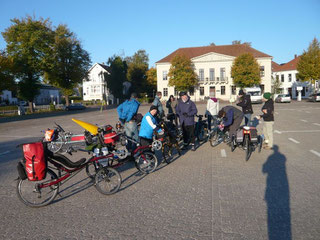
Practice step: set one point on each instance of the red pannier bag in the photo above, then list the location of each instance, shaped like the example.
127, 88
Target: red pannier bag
36, 164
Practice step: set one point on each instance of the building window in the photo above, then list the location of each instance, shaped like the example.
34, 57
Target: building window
211, 74
191, 91
223, 90
201, 74
176, 92
262, 88
165, 75
282, 77
165, 92
297, 79
201, 91
222, 74
261, 71
233, 90
290, 77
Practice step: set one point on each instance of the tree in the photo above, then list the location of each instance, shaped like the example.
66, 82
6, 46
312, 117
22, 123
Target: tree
69, 63
245, 71
276, 85
182, 74
118, 75
235, 42
6, 73
212, 44
152, 80
309, 63
28, 45
137, 69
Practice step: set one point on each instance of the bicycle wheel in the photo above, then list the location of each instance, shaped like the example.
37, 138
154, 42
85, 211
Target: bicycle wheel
233, 145
146, 162
259, 143
91, 170
201, 133
214, 139
247, 146
167, 153
107, 180
56, 145
33, 196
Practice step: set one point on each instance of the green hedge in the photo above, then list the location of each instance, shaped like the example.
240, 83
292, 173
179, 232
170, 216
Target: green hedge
5, 108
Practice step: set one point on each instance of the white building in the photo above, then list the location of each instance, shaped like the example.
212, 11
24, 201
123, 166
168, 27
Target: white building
95, 87
7, 97
48, 94
213, 67
287, 75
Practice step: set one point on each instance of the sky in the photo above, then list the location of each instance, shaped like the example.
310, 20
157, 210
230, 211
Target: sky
280, 28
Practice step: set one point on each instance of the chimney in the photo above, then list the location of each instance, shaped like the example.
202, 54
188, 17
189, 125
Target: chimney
295, 56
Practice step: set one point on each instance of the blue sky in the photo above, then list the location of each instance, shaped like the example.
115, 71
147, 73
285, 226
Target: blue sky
278, 28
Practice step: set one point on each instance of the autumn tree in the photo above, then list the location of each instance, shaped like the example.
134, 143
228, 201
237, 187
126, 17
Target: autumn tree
69, 62
181, 74
118, 75
309, 63
276, 85
152, 80
29, 44
137, 69
6, 73
245, 71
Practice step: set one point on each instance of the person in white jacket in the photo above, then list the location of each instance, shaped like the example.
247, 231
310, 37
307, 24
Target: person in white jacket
212, 110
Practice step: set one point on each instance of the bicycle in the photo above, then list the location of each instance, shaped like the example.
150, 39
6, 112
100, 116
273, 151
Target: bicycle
201, 129
41, 193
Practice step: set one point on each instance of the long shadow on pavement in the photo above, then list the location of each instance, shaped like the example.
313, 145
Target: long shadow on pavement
277, 196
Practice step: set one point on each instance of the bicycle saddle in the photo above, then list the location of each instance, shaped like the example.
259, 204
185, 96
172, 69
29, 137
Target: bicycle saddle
66, 161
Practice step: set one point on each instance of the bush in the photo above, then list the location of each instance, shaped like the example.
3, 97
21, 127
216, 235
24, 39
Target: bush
52, 107
75, 98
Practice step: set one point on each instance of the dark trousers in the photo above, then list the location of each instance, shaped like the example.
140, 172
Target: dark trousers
188, 134
145, 141
210, 119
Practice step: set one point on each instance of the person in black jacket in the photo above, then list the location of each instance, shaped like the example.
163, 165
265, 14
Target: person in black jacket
245, 103
268, 118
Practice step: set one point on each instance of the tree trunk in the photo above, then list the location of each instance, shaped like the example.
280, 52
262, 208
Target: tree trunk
67, 100
31, 107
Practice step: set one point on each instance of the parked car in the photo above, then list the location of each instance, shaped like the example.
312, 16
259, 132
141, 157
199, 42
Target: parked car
75, 106
314, 97
283, 98
23, 103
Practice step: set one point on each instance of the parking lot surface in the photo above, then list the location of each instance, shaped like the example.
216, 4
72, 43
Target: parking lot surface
211, 193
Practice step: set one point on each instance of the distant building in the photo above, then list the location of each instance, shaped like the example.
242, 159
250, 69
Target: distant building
287, 75
95, 87
213, 67
48, 94
7, 98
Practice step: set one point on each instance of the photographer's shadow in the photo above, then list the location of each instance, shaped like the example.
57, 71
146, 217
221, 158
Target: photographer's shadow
277, 196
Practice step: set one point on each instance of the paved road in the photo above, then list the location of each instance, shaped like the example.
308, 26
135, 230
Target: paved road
208, 194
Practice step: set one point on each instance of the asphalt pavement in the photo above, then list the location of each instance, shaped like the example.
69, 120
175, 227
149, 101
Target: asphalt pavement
211, 193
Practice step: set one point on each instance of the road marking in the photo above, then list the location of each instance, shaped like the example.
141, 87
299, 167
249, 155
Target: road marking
3, 153
301, 131
276, 131
293, 140
223, 153
317, 124
303, 120
315, 153
276, 112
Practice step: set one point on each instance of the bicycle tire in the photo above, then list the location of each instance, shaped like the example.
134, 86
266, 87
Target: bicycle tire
259, 144
201, 134
166, 153
214, 139
248, 147
146, 162
107, 180
26, 187
55, 146
91, 170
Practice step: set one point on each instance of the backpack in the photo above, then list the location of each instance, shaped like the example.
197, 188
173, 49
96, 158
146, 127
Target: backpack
36, 163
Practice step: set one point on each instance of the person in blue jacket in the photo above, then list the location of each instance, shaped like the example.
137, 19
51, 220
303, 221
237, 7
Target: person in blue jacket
127, 112
148, 126
186, 110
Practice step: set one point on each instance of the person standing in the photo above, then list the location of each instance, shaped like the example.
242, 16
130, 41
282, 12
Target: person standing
268, 118
186, 110
127, 112
158, 104
245, 103
171, 105
212, 110
148, 126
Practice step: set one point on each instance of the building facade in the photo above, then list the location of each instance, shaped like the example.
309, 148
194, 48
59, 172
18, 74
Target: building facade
48, 94
95, 87
287, 75
213, 67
